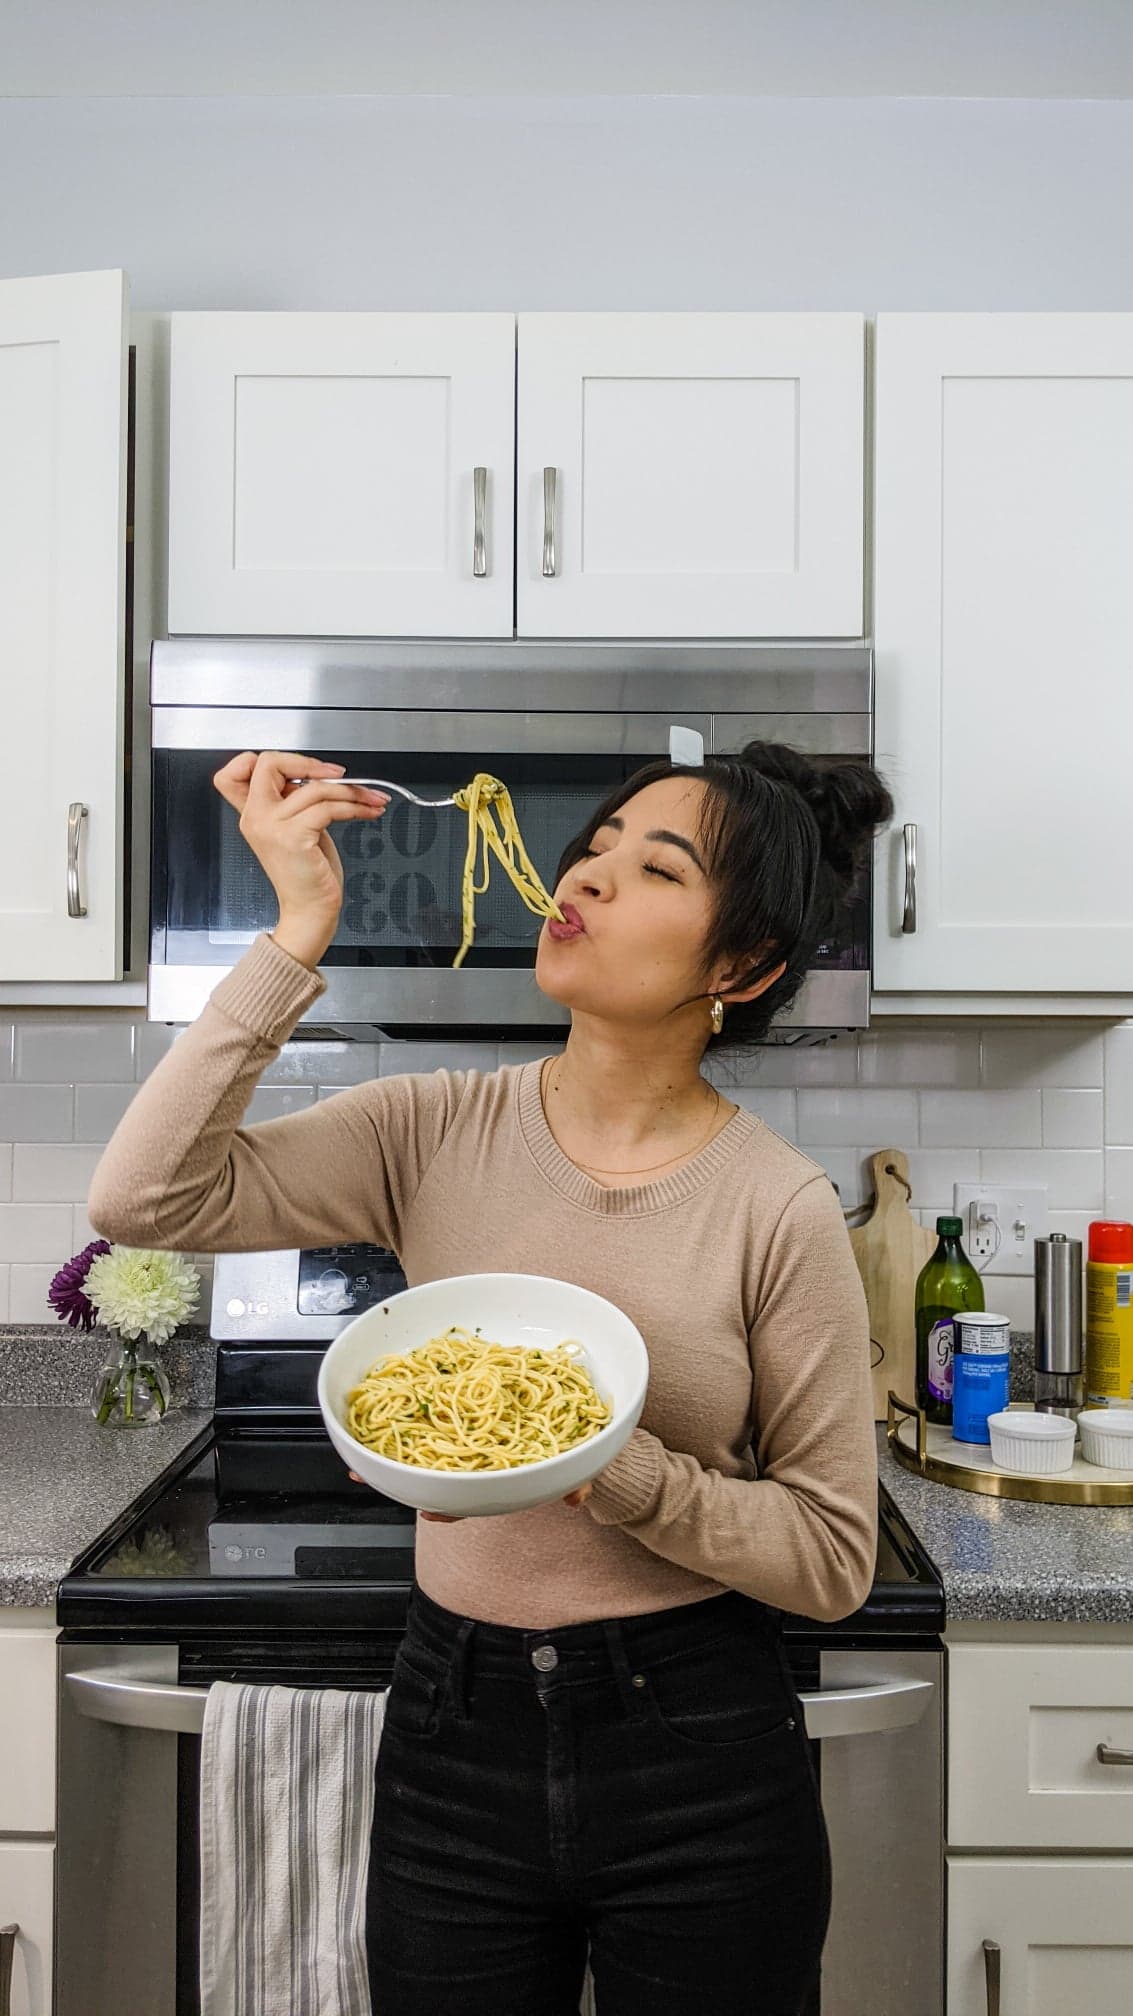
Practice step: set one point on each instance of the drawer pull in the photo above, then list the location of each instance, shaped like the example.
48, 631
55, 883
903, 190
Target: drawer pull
480, 494
549, 480
7, 1949
909, 915
991, 1976
1107, 1755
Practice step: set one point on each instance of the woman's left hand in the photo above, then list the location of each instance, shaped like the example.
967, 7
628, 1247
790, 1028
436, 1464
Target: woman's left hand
578, 1497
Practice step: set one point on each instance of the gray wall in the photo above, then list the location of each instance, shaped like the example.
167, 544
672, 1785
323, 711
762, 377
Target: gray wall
595, 202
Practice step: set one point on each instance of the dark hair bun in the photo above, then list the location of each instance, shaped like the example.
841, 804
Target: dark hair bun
849, 799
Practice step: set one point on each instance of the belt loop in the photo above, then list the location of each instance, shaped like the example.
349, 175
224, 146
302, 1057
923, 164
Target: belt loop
458, 1671
619, 1660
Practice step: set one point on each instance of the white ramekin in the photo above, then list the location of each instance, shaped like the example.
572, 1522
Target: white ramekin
1107, 1436
1039, 1445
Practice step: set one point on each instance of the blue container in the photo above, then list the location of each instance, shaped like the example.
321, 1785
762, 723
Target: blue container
981, 1365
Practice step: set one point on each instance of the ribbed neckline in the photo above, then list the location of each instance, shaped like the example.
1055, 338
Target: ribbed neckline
629, 1200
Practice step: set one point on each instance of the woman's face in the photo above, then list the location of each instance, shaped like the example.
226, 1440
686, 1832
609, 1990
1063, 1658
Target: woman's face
645, 904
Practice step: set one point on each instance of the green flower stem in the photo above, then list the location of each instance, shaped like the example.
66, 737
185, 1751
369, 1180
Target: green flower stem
106, 1407
150, 1372
128, 1402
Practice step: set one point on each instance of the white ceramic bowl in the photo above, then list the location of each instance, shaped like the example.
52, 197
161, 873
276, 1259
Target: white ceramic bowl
1107, 1436
1038, 1445
528, 1309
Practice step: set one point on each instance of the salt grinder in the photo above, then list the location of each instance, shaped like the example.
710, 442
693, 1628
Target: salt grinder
1058, 1325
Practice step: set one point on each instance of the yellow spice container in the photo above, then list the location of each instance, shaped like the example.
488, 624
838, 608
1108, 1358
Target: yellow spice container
1109, 1314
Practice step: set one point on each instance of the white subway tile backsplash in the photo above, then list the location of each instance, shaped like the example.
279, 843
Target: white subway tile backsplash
98, 1109
875, 1119
4, 1272
946, 1057
27, 1291
82, 1231
1119, 1085
35, 1232
270, 1102
774, 1105
846, 1168
398, 1059
36, 1112
1013, 1296
59, 1172
1072, 1119
302, 1063
933, 1171
1118, 1183
97, 1051
1074, 1177
5, 1171
1059, 1054
794, 1064
7, 1044
152, 1040
981, 1119
1075, 1224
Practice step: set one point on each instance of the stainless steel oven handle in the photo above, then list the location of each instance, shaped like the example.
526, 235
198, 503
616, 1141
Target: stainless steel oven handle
139, 1704
831, 1711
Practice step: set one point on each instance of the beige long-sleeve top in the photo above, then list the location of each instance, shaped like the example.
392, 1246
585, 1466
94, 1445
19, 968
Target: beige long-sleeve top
755, 1464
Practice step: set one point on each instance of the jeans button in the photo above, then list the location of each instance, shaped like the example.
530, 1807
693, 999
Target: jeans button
544, 1658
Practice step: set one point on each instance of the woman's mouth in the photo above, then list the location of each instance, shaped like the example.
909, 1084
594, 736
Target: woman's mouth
573, 927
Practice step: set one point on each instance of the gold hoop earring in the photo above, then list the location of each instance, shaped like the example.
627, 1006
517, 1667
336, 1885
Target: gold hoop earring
717, 1015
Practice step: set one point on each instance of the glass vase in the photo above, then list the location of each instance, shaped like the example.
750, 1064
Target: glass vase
132, 1386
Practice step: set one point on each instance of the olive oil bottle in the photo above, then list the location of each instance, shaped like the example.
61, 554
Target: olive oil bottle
947, 1282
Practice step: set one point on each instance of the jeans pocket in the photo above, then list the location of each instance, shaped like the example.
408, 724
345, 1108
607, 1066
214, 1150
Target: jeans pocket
413, 1701
722, 1696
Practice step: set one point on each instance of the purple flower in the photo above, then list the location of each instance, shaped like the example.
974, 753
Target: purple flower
66, 1291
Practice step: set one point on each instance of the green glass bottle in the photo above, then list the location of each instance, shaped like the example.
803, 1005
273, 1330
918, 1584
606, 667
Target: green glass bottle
947, 1282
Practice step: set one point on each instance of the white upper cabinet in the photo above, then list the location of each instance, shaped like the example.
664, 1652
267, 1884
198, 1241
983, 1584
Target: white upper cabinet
1004, 634
342, 474
64, 362
690, 475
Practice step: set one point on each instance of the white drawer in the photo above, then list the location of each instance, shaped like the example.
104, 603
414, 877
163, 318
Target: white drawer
1024, 1725
27, 1883
27, 1732
1062, 1927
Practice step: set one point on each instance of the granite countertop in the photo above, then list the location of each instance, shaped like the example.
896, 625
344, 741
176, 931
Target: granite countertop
63, 1479
1004, 1560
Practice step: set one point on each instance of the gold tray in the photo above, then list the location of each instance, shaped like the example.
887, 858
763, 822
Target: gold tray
931, 1451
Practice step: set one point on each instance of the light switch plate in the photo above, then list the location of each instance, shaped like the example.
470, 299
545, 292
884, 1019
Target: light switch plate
1020, 1218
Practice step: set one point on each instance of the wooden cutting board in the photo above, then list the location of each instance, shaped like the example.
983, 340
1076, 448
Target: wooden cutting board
890, 1248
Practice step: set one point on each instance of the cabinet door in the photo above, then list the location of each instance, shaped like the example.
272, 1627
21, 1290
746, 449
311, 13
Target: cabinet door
323, 474
1004, 632
685, 475
63, 422
26, 1900
27, 1732
1064, 1930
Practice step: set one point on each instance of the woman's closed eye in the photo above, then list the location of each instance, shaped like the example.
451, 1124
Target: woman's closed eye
649, 867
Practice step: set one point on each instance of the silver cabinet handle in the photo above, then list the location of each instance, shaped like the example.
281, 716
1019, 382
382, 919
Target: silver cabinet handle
909, 920
1107, 1755
7, 1950
139, 1704
549, 476
991, 1976
76, 813
865, 1711
480, 496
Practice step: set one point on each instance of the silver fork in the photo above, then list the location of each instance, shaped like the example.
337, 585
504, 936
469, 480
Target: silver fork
379, 784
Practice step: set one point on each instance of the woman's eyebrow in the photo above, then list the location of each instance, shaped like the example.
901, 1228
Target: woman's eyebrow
659, 833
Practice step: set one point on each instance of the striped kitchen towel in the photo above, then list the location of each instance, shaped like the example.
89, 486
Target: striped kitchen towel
287, 1797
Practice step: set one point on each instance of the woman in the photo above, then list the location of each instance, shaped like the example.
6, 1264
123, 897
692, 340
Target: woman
592, 1736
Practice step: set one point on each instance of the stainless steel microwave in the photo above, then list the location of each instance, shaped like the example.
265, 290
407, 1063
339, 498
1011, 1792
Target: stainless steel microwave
562, 723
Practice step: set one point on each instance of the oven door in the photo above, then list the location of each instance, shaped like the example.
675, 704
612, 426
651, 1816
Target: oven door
389, 967
127, 1878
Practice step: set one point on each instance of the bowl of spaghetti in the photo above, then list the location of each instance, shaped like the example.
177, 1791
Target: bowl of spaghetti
484, 1393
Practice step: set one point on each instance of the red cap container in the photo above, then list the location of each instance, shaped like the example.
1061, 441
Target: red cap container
1111, 1242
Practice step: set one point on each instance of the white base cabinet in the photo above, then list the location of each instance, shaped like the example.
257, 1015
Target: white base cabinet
1063, 1928
27, 1803
27, 1900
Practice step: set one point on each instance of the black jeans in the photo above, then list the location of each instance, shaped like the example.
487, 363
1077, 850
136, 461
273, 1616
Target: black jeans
643, 1785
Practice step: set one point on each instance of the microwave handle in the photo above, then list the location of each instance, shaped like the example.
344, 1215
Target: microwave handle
829, 1711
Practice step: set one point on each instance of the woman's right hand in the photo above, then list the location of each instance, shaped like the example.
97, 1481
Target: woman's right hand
286, 827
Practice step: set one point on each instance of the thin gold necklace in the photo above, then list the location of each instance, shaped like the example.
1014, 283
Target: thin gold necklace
544, 1077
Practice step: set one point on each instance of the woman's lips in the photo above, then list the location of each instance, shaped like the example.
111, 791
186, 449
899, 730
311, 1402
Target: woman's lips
574, 926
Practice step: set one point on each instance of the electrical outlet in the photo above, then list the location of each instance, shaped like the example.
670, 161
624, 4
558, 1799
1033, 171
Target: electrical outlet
1001, 1223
